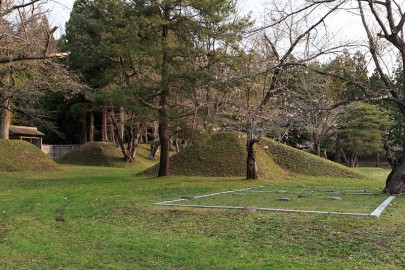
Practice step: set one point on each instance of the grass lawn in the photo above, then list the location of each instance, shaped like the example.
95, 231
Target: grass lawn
105, 218
296, 198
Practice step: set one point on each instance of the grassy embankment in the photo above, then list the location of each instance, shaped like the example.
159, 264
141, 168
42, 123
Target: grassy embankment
106, 154
18, 155
225, 155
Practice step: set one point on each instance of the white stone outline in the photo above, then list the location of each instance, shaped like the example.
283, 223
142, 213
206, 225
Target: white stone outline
375, 214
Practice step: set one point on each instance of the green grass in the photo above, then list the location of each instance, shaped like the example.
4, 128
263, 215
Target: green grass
19, 155
105, 218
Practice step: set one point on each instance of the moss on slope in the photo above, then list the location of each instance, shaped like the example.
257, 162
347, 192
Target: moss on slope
18, 155
300, 162
225, 156
221, 156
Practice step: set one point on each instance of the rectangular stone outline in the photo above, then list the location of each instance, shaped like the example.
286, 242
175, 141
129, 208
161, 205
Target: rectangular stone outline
375, 214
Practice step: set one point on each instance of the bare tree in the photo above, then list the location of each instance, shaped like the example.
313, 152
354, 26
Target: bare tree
312, 94
296, 35
26, 40
384, 22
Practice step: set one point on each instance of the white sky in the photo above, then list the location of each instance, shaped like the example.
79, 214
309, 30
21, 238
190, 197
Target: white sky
346, 26
59, 12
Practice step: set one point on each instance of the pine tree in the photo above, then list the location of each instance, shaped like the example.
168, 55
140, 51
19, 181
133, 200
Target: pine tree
361, 129
184, 39
160, 52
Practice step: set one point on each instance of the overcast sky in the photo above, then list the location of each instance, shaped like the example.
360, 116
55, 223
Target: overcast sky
347, 27
60, 10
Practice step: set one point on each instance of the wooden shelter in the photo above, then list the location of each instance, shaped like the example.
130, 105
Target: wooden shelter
30, 134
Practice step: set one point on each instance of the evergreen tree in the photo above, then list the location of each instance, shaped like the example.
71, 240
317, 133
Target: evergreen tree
160, 53
183, 39
101, 38
360, 131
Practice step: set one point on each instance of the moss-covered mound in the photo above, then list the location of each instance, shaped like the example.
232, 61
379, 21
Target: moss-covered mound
105, 154
220, 156
17, 155
225, 155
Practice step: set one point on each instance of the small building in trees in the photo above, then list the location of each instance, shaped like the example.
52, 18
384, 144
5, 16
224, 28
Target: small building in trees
29, 134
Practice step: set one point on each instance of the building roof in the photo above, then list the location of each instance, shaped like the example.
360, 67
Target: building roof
25, 131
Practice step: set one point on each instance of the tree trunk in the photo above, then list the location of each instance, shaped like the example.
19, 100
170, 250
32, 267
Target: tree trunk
338, 156
112, 133
343, 155
176, 145
164, 96
104, 133
317, 148
5, 120
121, 129
377, 161
164, 147
146, 135
251, 168
91, 133
156, 131
83, 122
134, 142
124, 150
154, 149
352, 160
395, 183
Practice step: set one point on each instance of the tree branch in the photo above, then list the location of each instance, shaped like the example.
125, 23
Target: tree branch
314, 4
279, 68
9, 59
364, 99
401, 23
148, 104
373, 52
8, 11
377, 17
48, 40
382, 3
273, 48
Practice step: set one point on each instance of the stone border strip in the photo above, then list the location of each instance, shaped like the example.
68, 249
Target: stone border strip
377, 212
207, 195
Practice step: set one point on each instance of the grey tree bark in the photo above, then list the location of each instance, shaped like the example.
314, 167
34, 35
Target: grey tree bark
5, 120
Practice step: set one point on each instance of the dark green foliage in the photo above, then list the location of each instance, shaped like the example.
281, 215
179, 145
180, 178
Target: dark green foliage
352, 69
361, 128
395, 133
98, 33
68, 113
16, 155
